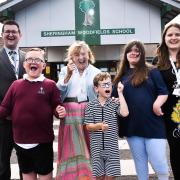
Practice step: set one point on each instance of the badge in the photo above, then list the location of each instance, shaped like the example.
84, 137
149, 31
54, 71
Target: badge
176, 91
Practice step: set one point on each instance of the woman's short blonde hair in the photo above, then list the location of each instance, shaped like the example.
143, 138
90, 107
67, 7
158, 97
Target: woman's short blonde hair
75, 49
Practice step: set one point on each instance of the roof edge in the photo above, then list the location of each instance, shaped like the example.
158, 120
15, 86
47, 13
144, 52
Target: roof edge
9, 4
172, 3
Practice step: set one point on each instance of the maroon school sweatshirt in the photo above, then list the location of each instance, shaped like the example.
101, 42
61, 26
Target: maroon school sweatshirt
31, 106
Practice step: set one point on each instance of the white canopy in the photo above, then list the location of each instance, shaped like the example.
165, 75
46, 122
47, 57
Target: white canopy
175, 20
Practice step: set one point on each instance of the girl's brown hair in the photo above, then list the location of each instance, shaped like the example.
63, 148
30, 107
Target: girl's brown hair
141, 69
163, 53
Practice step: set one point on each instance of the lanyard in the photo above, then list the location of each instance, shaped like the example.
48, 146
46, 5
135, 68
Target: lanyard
177, 72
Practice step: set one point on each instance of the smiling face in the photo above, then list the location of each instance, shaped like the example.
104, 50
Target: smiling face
104, 88
11, 36
133, 56
172, 38
81, 59
34, 64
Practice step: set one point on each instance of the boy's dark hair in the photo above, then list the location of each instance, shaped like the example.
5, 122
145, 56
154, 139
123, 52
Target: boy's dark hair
100, 77
11, 22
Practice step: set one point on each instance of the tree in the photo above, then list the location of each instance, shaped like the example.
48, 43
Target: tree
87, 7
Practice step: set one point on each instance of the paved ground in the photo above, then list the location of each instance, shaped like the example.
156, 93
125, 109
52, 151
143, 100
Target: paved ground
127, 164
135, 178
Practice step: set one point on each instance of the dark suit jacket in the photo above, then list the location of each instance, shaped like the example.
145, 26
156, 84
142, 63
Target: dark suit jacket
7, 75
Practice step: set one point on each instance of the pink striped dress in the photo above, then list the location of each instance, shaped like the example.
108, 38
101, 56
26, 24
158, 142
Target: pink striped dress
73, 145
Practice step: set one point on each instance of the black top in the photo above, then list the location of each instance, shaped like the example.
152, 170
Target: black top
171, 115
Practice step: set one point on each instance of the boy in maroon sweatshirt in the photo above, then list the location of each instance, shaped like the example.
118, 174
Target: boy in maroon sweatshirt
31, 102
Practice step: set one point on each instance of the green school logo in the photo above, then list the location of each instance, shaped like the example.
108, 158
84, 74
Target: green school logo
87, 7
87, 18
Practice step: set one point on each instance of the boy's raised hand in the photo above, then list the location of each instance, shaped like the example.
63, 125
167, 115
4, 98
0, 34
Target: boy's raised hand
120, 87
61, 111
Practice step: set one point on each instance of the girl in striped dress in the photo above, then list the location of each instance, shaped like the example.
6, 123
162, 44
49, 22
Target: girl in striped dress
101, 120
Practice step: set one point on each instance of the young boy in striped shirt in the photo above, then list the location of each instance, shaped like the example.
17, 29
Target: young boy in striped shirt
101, 117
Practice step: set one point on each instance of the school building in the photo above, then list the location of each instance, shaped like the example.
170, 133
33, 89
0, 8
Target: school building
106, 25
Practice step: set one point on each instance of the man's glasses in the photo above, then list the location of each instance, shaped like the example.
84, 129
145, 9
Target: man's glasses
11, 32
105, 85
34, 60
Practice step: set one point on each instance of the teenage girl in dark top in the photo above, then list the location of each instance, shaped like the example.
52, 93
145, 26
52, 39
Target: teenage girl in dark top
145, 92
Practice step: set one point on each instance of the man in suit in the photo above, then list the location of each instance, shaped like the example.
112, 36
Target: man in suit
11, 68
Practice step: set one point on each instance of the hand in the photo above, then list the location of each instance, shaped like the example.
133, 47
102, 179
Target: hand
120, 87
116, 100
70, 67
104, 126
157, 109
61, 111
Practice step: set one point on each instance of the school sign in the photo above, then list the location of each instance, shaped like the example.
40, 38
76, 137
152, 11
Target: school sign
87, 24
87, 32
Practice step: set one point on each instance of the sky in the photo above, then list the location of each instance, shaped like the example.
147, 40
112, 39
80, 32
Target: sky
2, 1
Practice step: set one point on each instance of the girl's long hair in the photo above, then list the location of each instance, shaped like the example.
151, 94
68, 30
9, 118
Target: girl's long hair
163, 62
141, 69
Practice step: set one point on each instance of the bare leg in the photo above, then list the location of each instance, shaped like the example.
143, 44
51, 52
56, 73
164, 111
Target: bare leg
110, 178
30, 176
100, 178
46, 177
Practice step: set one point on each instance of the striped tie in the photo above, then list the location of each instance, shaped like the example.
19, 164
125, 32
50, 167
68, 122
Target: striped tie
13, 56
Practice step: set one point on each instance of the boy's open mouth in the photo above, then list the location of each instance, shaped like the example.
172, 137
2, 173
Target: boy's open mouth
33, 68
107, 91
